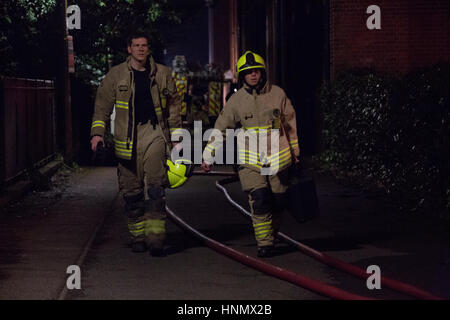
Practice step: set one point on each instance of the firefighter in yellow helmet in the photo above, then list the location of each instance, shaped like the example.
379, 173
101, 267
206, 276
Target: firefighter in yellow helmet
260, 107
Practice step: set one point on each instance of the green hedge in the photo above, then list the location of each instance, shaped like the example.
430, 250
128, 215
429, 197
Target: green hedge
393, 133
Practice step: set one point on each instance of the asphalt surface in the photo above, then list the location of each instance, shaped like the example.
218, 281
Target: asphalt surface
82, 222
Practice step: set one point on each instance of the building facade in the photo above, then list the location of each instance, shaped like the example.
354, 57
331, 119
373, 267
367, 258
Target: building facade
308, 42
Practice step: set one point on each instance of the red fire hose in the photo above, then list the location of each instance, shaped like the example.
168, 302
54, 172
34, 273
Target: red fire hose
313, 285
334, 262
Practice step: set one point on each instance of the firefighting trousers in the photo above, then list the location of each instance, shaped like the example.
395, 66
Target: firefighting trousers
266, 196
142, 181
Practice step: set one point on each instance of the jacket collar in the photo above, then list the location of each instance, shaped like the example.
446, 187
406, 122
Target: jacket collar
150, 63
257, 91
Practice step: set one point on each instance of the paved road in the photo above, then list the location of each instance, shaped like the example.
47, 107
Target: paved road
40, 238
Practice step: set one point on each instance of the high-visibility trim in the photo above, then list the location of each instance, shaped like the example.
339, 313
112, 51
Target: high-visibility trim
214, 98
138, 233
275, 161
293, 143
137, 225
281, 158
263, 224
284, 150
281, 153
137, 229
251, 160
176, 131
244, 154
263, 232
281, 161
123, 143
163, 101
181, 87
285, 159
262, 229
154, 226
284, 162
123, 146
249, 155
123, 155
253, 164
253, 155
98, 124
123, 149
258, 128
248, 152
122, 105
183, 161
210, 148
261, 236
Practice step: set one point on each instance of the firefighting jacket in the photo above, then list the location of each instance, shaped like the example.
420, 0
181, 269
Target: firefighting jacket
117, 91
258, 113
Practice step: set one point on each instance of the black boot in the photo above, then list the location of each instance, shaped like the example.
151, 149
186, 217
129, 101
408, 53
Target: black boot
157, 250
265, 252
139, 247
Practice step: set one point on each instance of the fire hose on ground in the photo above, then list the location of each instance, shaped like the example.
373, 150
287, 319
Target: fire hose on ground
329, 260
302, 281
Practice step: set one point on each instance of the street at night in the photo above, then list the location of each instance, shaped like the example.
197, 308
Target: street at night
229, 158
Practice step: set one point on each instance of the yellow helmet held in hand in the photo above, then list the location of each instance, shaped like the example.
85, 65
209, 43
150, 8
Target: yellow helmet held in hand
249, 61
179, 172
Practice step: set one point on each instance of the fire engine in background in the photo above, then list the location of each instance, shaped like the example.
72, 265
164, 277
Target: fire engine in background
201, 92
180, 74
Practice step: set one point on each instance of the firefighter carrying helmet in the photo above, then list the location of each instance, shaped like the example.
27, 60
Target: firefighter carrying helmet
249, 61
178, 172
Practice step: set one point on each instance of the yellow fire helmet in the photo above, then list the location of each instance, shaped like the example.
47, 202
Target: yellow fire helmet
179, 172
249, 61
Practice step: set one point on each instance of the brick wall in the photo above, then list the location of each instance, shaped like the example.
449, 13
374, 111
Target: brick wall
413, 33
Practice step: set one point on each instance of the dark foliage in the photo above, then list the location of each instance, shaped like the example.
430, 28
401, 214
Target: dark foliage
392, 133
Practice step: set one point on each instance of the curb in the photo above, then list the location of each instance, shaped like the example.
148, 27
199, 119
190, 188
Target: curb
20, 189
